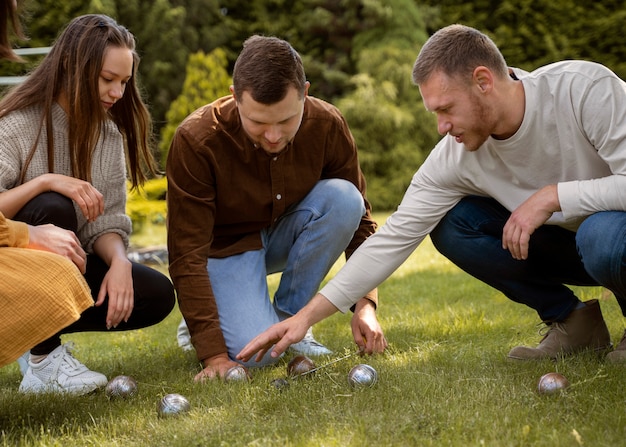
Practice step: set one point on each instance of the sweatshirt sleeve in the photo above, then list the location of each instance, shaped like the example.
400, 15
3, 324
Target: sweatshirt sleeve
424, 204
602, 111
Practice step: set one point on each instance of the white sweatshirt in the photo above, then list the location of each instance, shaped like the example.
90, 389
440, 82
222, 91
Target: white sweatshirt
573, 134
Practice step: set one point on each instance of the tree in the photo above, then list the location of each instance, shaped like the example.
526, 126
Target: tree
322, 31
166, 32
206, 80
42, 21
392, 129
532, 33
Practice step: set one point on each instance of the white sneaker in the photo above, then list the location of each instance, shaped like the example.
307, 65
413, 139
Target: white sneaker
309, 346
183, 336
60, 372
23, 362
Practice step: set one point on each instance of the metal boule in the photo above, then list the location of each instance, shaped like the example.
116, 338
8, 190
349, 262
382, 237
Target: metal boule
173, 405
362, 375
121, 386
552, 383
300, 365
237, 374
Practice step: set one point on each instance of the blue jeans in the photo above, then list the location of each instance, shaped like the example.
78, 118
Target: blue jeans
470, 235
303, 245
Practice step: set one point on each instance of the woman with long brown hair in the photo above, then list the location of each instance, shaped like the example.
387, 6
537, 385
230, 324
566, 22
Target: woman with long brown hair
70, 135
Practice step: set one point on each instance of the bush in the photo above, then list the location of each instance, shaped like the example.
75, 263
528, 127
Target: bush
146, 205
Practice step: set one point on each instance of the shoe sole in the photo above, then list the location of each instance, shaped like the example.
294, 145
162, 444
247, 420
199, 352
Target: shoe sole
600, 350
50, 390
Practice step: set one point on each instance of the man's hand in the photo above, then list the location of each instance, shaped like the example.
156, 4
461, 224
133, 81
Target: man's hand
57, 240
280, 335
366, 330
529, 216
215, 367
292, 330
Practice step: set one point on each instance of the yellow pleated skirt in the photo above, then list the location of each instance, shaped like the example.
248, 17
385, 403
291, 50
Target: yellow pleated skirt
40, 294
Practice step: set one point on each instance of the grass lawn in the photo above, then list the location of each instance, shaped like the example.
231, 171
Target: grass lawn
445, 381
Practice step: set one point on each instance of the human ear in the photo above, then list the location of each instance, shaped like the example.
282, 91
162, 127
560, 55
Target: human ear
483, 78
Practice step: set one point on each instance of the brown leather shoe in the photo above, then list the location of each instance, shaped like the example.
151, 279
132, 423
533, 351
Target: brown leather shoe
619, 355
583, 329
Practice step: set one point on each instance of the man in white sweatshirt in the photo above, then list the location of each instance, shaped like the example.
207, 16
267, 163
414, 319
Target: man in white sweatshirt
526, 191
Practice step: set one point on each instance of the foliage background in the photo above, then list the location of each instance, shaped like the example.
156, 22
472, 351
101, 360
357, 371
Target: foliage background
358, 54
444, 381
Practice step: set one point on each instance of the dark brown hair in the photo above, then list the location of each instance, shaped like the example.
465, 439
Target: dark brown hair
8, 15
456, 51
73, 68
266, 68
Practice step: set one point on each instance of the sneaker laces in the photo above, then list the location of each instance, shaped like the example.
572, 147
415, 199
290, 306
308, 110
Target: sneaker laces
65, 356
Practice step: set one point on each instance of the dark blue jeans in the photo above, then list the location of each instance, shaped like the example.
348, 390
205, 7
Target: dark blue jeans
154, 293
470, 235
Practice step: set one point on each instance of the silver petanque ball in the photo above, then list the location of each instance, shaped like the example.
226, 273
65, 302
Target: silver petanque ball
173, 405
551, 383
362, 376
121, 386
237, 374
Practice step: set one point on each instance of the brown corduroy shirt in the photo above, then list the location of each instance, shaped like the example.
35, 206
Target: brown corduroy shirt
222, 190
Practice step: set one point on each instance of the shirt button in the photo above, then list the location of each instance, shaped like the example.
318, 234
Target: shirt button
275, 158
278, 197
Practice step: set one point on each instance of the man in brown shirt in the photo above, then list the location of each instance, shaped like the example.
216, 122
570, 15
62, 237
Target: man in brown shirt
266, 180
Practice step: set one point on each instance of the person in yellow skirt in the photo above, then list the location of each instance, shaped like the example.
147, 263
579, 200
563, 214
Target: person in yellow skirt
42, 289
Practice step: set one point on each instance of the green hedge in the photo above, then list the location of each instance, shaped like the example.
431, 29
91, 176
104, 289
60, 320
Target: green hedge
147, 205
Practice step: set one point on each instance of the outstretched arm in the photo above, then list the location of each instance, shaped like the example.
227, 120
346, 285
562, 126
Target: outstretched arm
292, 330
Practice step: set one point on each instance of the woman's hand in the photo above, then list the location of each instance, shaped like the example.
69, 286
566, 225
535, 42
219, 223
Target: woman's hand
118, 282
84, 194
57, 240
118, 286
